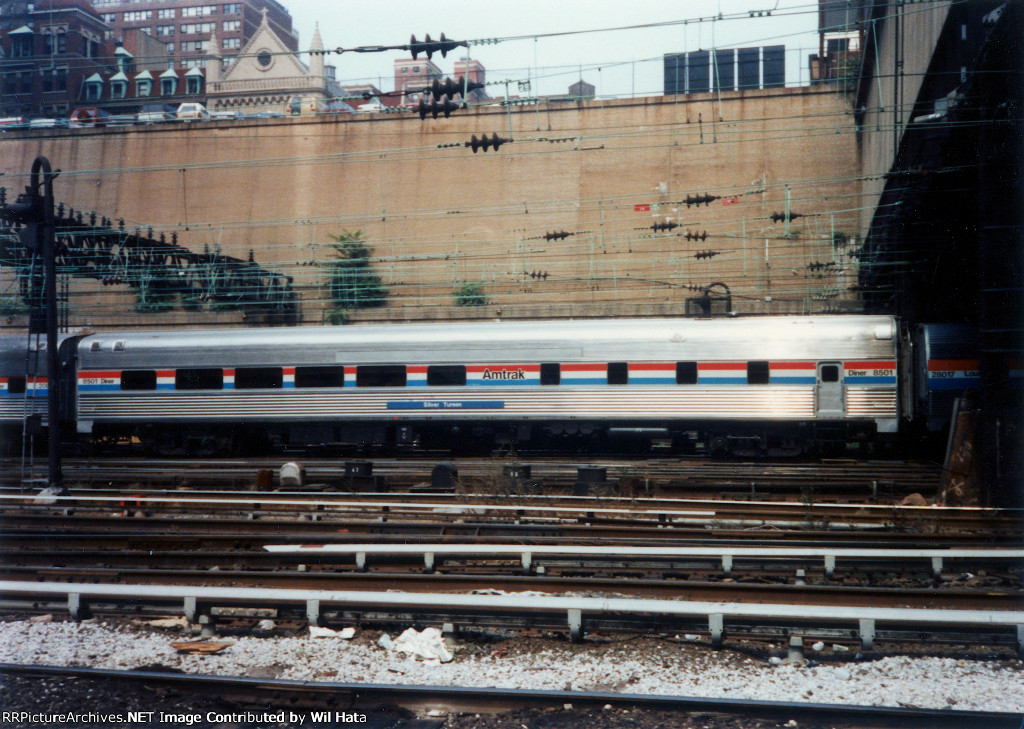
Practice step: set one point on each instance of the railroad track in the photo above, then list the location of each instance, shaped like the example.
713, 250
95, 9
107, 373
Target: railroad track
827, 479
592, 510
301, 698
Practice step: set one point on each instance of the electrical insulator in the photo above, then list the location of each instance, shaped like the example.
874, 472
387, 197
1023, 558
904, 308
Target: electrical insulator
446, 107
699, 200
483, 143
429, 47
691, 235
780, 217
561, 235
706, 254
664, 226
451, 88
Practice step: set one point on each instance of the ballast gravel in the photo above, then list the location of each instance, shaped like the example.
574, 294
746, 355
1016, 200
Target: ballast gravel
647, 666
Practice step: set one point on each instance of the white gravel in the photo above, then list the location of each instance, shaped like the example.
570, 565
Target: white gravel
649, 668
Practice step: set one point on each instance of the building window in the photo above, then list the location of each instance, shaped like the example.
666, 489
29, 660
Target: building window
61, 44
231, 25
25, 82
165, 30
109, 18
21, 45
143, 88
165, 13
168, 86
232, 43
193, 28
118, 89
193, 84
231, 8
136, 15
198, 11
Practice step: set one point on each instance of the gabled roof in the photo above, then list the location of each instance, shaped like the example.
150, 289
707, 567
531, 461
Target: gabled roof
143, 75
23, 29
194, 71
119, 76
94, 78
264, 37
169, 73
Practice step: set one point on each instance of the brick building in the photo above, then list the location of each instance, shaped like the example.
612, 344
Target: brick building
185, 25
49, 49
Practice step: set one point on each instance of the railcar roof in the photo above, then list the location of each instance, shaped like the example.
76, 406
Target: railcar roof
555, 340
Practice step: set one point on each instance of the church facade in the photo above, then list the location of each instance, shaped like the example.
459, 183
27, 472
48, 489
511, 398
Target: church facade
267, 76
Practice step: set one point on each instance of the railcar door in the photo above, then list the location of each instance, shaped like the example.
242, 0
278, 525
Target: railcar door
828, 391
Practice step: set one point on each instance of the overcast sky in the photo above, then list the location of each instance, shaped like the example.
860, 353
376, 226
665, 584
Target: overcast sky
617, 62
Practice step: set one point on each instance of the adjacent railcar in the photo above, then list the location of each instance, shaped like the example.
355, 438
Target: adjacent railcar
24, 386
745, 385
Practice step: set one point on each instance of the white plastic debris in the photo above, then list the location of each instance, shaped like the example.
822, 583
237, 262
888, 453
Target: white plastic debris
839, 648
819, 646
266, 624
428, 645
315, 631
347, 633
385, 642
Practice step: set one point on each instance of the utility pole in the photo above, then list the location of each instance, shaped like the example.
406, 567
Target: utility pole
34, 210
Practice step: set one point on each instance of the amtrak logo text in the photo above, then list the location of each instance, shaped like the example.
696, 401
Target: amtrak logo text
516, 374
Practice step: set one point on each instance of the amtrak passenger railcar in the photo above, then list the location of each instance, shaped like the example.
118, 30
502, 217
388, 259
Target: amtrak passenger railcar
742, 386
770, 385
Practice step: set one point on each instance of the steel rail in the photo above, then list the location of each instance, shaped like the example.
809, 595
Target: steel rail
743, 512
623, 586
194, 599
315, 528
356, 696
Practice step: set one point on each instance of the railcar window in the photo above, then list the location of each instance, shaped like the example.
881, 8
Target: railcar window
830, 373
320, 376
618, 373
16, 385
207, 378
758, 373
686, 373
138, 380
550, 373
380, 376
446, 375
258, 378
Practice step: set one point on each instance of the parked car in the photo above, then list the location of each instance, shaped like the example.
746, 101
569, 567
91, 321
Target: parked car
13, 122
223, 114
88, 116
151, 115
48, 123
193, 111
336, 107
120, 120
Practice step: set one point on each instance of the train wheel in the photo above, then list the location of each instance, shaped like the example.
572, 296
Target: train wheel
718, 447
